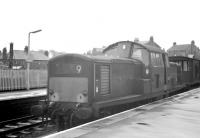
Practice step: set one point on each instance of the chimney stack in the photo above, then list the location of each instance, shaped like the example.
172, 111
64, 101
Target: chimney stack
192, 42
174, 43
11, 55
26, 49
136, 39
151, 39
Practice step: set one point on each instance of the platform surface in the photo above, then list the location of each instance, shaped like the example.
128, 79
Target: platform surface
176, 117
22, 94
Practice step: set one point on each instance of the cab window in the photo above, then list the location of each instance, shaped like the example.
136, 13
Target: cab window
186, 66
157, 59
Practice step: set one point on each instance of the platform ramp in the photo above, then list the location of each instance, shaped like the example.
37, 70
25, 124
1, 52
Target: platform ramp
22, 94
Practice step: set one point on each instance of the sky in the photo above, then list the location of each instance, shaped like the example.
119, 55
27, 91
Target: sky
76, 26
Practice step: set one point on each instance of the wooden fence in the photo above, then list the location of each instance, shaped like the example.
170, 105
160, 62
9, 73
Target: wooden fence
17, 79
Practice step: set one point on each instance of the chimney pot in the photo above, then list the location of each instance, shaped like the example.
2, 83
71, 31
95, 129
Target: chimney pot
151, 39
26, 49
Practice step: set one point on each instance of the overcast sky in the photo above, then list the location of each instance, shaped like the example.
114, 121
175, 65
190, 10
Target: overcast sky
76, 26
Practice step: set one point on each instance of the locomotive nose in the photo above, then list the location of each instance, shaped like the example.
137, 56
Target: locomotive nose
53, 96
68, 89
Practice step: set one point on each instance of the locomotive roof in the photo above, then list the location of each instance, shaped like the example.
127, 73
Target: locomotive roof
71, 55
149, 45
96, 58
113, 59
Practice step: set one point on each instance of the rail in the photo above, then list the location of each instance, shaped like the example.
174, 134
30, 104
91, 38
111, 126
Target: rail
22, 126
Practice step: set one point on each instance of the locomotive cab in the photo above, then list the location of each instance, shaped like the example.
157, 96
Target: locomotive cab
157, 75
155, 62
139, 55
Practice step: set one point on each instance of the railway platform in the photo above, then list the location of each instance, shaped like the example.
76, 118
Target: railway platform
174, 117
22, 94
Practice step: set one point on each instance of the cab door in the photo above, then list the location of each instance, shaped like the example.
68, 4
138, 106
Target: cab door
158, 72
166, 66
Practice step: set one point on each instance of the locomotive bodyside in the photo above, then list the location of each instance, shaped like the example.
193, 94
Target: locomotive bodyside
120, 84
124, 78
76, 82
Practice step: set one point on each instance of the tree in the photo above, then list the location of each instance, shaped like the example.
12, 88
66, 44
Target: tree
89, 52
4, 55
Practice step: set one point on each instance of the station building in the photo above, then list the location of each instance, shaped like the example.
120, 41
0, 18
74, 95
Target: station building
186, 50
38, 60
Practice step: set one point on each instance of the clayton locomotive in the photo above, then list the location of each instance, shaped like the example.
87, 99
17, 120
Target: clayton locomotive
82, 87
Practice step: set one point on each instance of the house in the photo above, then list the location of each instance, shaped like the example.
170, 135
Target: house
53, 53
96, 51
2, 66
187, 50
37, 59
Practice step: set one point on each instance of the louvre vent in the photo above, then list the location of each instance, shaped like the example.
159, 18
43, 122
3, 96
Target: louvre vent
102, 81
105, 79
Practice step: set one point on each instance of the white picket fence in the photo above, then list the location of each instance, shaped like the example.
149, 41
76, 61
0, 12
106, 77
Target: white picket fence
17, 79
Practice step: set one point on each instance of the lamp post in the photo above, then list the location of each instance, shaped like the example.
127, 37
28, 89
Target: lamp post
29, 58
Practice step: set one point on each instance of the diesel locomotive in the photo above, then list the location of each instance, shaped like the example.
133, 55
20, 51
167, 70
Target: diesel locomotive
82, 87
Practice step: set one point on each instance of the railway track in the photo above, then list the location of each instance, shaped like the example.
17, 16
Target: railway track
29, 126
